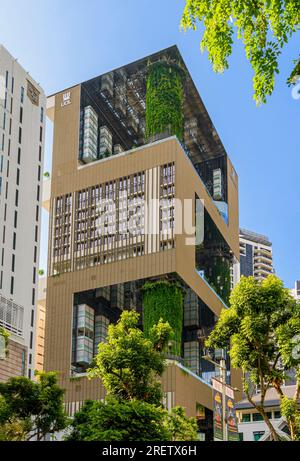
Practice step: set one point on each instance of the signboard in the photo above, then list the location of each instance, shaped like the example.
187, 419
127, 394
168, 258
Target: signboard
218, 410
66, 99
230, 414
32, 93
231, 421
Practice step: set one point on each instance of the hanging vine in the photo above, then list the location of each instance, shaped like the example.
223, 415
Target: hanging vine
164, 299
164, 100
5, 335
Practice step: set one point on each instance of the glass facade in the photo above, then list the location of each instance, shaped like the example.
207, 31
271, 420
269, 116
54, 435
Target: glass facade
94, 310
214, 259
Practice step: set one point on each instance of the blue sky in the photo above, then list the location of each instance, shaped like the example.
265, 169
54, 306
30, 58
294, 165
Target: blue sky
68, 41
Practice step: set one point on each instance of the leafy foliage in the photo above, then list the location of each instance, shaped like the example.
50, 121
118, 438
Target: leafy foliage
128, 364
261, 323
130, 420
164, 100
5, 334
31, 408
264, 26
164, 300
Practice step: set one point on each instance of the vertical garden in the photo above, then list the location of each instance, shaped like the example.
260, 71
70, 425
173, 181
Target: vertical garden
164, 100
163, 299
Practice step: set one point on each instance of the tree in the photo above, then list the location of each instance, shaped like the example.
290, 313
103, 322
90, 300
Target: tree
131, 420
126, 420
31, 409
130, 365
264, 26
261, 325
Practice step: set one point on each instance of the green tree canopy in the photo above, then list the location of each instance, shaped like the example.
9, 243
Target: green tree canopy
31, 409
130, 420
262, 324
128, 363
264, 26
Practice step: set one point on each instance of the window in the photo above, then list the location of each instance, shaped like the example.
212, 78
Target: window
241, 436
258, 435
31, 340
29, 374
3, 236
15, 219
5, 211
34, 275
6, 79
14, 240
22, 94
35, 254
32, 318
19, 156
13, 260
2, 257
277, 415
36, 234
21, 114
37, 211
1, 279
18, 177
10, 124
23, 363
12, 285
33, 297
40, 153
17, 198
39, 173
42, 114
4, 121
41, 133
12, 84
38, 193
20, 135
7, 169
257, 417
246, 418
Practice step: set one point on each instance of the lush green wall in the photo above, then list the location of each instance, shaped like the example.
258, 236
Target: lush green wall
164, 299
164, 100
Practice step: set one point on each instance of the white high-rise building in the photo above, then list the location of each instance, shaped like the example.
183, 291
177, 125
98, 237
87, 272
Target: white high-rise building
22, 130
256, 257
295, 292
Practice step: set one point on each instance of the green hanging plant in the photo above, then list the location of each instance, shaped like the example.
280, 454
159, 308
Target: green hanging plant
164, 100
164, 300
5, 334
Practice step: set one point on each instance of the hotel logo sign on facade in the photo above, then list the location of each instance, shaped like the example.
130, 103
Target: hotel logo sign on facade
66, 99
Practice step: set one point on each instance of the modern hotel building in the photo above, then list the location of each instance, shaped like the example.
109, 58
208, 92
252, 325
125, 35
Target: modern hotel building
103, 248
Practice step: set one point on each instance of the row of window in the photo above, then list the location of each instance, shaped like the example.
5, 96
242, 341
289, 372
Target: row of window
253, 417
18, 180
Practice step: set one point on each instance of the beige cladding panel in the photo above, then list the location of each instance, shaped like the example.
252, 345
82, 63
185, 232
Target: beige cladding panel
67, 177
